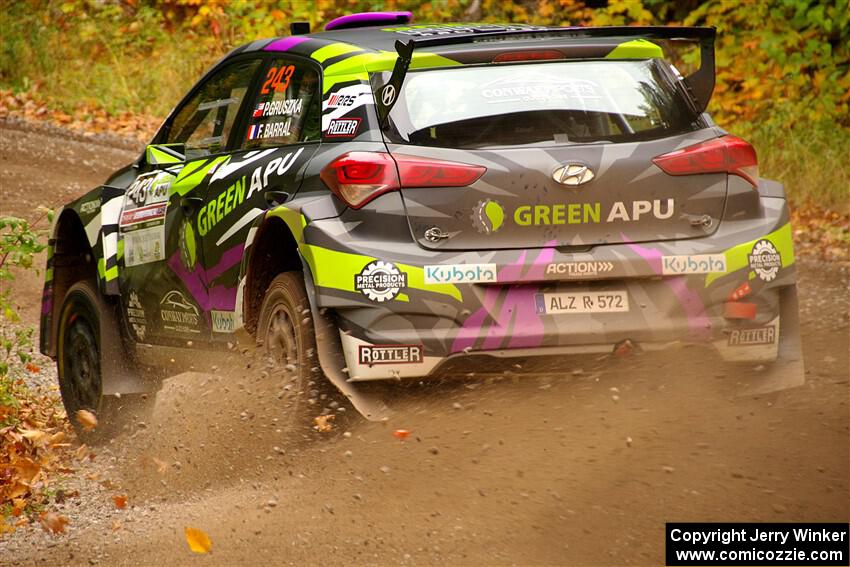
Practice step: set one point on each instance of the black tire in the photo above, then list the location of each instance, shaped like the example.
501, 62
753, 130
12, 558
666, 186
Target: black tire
89, 342
286, 342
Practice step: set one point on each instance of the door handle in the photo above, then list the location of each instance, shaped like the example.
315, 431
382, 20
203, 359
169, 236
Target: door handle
275, 198
190, 205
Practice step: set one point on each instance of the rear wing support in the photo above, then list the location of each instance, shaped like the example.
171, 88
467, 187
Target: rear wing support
699, 83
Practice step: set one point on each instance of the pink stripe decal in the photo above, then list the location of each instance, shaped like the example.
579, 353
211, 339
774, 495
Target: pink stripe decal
518, 319
286, 43
698, 322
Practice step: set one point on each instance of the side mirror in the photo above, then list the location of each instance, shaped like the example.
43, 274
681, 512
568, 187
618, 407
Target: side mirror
165, 154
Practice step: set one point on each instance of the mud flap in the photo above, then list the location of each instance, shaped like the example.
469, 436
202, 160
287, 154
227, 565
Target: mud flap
329, 349
788, 370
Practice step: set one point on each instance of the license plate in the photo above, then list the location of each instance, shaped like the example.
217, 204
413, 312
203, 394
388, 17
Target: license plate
582, 302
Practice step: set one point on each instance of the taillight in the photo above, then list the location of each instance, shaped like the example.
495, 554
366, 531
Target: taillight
359, 177
728, 154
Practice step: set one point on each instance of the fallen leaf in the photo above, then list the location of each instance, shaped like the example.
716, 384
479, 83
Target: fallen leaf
19, 489
86, 419
34, 435
81, 452
120, 501
323, 423
18, 505
161, 466
116, 525
53, 522
198, 541
401, 434
57, 438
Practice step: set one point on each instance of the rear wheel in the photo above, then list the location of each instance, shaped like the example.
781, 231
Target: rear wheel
89, 346
287, 343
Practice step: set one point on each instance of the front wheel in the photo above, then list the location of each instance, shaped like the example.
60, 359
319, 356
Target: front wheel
287, 342
89, 346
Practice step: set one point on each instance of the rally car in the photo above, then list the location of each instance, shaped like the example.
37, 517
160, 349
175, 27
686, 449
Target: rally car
381, 198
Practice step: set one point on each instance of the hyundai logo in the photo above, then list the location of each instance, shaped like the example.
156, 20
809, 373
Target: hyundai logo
573, 174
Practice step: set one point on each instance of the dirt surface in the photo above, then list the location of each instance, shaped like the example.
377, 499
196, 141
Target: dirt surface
577, 467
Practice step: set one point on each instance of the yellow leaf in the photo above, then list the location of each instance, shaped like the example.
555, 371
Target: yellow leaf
34, 435
86, 419
198, 541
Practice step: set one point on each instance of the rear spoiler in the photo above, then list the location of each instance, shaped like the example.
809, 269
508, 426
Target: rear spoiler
700, 83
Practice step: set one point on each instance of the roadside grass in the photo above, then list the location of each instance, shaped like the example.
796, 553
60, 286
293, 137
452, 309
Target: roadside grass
811, 161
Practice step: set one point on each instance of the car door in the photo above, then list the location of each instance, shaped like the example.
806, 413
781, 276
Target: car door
161, 270
281, 132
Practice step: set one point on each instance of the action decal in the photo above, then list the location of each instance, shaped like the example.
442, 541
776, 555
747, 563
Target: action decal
586, 269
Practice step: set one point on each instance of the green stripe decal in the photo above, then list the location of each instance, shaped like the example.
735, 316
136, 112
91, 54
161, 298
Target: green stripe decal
737, 257
333, 50
191, 176
336, 270
101, 268
358, 67
636, 49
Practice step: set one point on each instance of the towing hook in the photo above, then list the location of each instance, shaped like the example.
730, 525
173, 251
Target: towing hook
625, 348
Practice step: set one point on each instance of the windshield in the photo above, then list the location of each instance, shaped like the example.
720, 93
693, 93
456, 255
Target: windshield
539, 103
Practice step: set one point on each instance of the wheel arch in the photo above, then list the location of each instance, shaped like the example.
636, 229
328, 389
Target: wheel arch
71, 257
273, 247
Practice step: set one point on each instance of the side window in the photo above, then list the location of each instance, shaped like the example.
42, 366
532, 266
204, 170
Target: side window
287, 109
206, 121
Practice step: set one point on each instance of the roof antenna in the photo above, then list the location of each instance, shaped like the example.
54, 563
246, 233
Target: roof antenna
299, 28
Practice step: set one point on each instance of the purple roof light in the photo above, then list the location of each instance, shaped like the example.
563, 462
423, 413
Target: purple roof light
364, 19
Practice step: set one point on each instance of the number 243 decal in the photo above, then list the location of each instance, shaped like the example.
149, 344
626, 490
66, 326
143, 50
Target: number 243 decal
278, 79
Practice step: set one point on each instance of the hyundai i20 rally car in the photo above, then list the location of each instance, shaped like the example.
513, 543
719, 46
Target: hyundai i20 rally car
381, 198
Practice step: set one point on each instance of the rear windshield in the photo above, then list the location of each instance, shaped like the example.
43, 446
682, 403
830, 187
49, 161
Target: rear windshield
541, 104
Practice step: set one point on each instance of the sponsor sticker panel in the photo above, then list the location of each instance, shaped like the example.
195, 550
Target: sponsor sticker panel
765, 260
461, 273
179, 314
755, 336
580, 269
698, 264
223, 321
343, 128
136, 316
380, 281
390, 354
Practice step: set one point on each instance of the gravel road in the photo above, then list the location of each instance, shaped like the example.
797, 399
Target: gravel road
578, 467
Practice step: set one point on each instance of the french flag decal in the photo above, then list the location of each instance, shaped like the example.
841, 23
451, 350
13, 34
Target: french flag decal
259, 111
252, 131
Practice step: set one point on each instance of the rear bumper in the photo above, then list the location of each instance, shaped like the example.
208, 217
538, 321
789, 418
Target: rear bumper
429, 317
